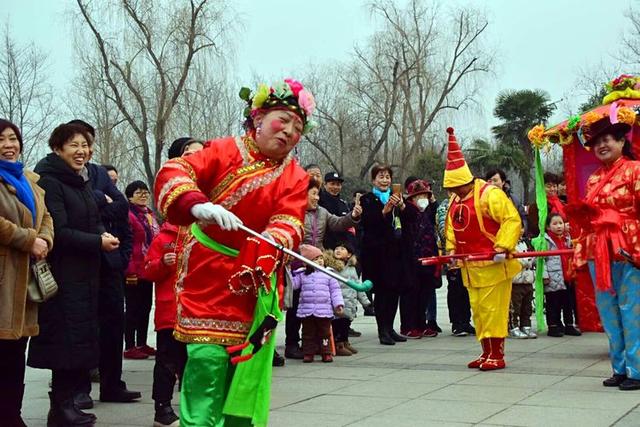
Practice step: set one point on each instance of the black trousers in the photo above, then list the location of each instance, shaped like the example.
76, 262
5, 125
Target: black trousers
457, 300
111, 323
341, 327
171, 356
554, 305
569, 312
386, 307
292, 323
413, 308
12, 368
66, 382
138, 299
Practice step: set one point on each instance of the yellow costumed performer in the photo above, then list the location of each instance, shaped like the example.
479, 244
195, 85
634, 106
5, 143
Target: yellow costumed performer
482, 219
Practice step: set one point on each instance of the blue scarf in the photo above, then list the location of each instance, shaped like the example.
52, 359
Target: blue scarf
383, 196
12, 173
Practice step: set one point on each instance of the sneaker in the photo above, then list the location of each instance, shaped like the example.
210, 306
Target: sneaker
517, 333
434, 325
165, 417
278, 360
413, 334
470, 329
149, 351
327, 358
355, 334
134, 353
530, 333
459, 332
429, 333
572, 330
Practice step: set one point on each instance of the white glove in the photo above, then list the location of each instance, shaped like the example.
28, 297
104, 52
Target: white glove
500, 257
209, 212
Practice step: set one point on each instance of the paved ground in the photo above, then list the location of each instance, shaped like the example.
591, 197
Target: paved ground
548, 382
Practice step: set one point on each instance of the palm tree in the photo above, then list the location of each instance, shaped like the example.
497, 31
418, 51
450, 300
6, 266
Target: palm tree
519, 111
484, 156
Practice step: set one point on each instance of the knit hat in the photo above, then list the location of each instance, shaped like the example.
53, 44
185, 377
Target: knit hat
177, 147
310, 252
457, 171
418, 186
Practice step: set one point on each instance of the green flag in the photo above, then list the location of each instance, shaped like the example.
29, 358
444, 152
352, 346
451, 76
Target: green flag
540, 243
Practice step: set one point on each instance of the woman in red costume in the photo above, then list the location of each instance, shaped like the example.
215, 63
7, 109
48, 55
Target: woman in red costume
252, 180
609, 242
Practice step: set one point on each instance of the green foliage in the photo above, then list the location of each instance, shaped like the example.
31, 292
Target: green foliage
483, 156
430, 166
594, 100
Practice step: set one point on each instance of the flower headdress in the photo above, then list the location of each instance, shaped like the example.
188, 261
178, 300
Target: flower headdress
288, 94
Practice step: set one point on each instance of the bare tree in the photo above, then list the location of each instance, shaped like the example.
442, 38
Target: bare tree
26, 97
147, 68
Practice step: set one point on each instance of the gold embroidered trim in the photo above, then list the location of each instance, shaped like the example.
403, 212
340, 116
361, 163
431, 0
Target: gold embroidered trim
282, 236
222, 339
289, 219
170, 183
187, 167
175, 193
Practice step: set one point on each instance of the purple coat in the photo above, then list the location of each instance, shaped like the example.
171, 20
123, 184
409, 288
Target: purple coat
319, 294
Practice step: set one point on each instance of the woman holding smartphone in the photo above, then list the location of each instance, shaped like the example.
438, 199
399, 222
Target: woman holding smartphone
381, 253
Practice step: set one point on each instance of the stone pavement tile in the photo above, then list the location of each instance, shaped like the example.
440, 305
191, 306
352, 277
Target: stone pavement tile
599, 351
502, 378
632, 419
620, 402
346, 405
295, 368
550, 365
287, 391
600, 369
283, 418
535, 416
399, 357
116, 413
578, 383
389, 388
429, 377
383, 420
477, 393
426, 410
346, 373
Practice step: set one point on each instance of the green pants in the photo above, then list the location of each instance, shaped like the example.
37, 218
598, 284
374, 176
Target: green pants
205, 384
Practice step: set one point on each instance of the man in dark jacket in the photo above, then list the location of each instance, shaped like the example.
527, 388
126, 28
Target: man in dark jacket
331, 201
114, 213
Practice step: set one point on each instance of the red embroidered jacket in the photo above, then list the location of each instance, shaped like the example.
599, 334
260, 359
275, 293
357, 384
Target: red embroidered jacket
214, 305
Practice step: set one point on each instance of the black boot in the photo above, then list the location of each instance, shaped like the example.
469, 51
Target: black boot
615, 380
83, 401
64, 413
385, 338
629, 384
397, 337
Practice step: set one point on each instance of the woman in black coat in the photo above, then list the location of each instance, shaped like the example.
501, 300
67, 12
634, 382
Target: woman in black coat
381, 257
68, 340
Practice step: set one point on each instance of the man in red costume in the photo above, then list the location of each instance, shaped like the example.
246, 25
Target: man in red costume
252, 180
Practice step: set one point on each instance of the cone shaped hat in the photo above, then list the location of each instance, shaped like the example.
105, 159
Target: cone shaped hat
457, 171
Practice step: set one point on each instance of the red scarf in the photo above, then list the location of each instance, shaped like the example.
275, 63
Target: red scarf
561, 243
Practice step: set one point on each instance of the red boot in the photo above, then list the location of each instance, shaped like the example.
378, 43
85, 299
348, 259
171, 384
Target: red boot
485, 353
496, 355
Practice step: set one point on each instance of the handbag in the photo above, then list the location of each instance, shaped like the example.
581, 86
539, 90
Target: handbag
42, 285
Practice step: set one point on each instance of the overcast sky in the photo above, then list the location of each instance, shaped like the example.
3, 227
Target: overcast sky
540, 44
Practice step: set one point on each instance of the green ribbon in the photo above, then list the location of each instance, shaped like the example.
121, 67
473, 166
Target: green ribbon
540, 243
249, 392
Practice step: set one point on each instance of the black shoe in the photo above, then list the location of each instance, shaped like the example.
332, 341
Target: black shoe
165, 417
615, 380
555, 331
83, 401
630, 384
470, 329
572, 330
278, 360
293, 352
369, 311
397, 337
459, 332
354, 333
119, 396
64, 413
385, 338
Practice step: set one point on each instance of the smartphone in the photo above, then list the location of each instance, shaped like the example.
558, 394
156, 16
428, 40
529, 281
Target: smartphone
358, 195
396, 188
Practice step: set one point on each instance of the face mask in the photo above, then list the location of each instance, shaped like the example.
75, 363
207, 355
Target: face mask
422, 204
